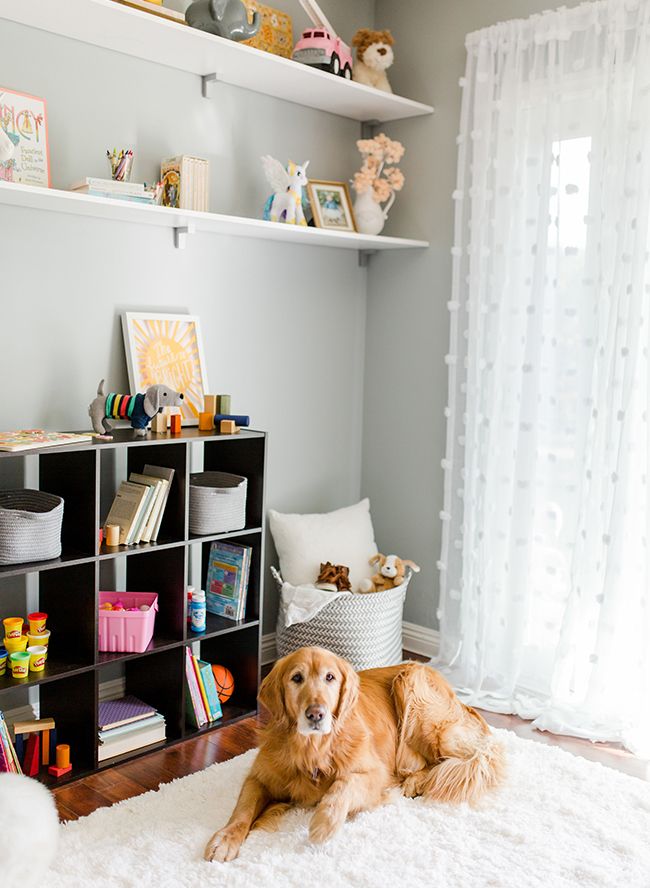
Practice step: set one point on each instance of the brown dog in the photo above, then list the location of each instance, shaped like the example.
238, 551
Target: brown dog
339, 741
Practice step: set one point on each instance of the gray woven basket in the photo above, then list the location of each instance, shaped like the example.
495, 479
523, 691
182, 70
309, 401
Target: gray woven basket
217, 502
364, 629
30, 526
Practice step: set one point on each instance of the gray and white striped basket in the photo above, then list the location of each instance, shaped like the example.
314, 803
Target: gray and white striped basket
217, 502
30, 526
364, 629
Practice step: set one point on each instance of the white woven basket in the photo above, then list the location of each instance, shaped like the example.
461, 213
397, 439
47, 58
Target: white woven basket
30, 526
364, 629
217, 502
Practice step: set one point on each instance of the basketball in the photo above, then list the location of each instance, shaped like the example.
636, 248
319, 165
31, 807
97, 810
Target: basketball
224, 681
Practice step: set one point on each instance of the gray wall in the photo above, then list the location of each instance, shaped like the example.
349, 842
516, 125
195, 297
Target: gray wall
407, 332
283, 326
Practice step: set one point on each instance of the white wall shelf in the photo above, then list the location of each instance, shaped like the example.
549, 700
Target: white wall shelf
184, 223
140, 34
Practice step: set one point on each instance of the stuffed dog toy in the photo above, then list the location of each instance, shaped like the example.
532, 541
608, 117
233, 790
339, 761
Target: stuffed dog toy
139, 409
374, 57
390, 574
334, 577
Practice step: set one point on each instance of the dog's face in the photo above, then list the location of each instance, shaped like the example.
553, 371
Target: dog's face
159, 396
391, 567
311, 690
378, 56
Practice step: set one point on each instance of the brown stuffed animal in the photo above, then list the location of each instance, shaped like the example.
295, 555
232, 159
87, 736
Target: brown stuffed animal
390, 574
334, 578
374, 57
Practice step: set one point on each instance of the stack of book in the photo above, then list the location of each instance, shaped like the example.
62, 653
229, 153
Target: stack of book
30, 439
139, 505
132, 191
8, 759
185, 183
227, 580
127, 724
201, 698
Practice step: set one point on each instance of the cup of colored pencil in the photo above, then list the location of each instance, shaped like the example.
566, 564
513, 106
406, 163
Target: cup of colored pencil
121, 163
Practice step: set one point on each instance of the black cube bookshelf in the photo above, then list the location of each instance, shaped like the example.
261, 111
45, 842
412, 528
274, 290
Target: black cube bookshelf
67, 588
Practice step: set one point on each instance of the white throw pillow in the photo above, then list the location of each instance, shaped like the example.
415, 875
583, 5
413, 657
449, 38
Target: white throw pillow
342, 537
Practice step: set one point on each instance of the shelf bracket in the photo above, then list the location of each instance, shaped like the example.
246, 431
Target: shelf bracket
368, 128
206, 80
364, 256
180, 236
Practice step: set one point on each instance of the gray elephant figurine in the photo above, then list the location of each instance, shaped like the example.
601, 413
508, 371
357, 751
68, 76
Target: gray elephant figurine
225, 18
139, 409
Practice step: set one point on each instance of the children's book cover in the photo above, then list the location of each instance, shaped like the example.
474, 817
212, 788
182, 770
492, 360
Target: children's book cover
24, 120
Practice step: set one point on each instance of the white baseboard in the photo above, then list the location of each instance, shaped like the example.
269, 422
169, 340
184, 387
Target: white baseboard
415, 639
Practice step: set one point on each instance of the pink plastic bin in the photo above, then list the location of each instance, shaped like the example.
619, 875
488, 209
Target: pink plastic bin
126, 631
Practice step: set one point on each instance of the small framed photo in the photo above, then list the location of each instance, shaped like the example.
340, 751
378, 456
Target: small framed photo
331, 205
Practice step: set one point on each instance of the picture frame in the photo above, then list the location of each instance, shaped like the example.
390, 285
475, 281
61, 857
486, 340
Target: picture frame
23, 118
331, 205
167, 348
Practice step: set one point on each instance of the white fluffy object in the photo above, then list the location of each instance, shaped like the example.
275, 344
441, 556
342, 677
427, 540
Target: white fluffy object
344, 537
559, 822
29, 831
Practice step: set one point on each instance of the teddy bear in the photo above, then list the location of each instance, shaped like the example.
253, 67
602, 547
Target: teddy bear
391, 573
374, 57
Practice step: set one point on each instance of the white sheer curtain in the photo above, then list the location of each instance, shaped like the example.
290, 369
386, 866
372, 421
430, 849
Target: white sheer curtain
545, 605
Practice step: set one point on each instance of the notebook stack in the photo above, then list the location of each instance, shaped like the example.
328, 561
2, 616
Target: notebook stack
201, 697
131, 191
139, 505
227, 581
127, 724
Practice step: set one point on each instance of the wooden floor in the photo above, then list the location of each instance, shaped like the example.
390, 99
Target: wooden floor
148, 772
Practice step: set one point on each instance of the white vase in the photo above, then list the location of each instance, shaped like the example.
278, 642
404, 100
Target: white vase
370, 216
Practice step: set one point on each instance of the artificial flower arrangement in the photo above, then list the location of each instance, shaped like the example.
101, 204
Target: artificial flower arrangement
377, 181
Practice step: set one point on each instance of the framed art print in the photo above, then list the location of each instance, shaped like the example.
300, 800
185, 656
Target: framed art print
167, 349
331, 205
24, 120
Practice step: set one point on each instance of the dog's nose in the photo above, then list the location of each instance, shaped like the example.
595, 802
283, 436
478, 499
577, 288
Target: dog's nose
315, 714
381, 51
182, 396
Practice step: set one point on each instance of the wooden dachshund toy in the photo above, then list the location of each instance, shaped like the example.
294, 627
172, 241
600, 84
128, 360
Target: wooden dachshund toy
139, 409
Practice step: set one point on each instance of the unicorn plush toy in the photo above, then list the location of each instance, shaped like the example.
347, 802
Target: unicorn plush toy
286, 202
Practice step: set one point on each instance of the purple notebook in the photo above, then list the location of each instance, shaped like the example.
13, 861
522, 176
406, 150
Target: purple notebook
114, 713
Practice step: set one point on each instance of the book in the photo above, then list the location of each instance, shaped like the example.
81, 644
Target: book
204, 696
30, 439
205, 670
138, 738
154, 719
167, 474
137, 523
193, 701
155, 9
109, 186
153, 485
227, 579
9, 759
126, 508
115, 713
145, 199
185, 181
24, 120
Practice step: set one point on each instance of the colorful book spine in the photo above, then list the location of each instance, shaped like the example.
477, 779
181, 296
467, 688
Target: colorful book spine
204, 696
194, 703
8, 748
210, 689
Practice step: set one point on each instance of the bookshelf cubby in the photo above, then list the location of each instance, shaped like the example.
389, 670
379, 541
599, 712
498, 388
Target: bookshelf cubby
67, 588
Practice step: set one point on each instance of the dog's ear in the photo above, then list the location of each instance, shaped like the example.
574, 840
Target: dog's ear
387, 38
377, 559
408, 563
349, 691
271, 694
151, 402
361, 37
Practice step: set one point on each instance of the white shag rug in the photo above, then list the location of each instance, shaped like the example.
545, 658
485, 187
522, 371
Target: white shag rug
559, 821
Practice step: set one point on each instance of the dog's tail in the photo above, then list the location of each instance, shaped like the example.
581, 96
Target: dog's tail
466, 777
100, 389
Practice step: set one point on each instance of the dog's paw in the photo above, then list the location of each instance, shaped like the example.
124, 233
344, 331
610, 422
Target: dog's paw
412, 786
324, 823
224, 845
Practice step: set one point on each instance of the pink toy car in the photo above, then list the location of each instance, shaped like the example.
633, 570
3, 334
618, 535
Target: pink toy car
322, 49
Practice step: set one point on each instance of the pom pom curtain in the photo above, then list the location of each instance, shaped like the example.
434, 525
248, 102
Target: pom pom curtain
545, 604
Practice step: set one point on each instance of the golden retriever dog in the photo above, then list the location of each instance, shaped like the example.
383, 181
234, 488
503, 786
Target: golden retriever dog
339, 741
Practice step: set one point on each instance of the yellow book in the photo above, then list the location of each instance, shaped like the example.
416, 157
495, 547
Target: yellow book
204, 696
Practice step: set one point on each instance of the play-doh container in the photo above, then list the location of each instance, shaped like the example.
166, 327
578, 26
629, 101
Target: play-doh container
13, 627
16, 645
19, 664
37, 623
43, 639
37, 655
3, 660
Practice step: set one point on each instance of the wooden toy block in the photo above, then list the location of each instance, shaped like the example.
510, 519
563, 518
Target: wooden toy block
45, 751
32, 764
32, 725
227, 427
159, 424
58, 772
206, 422
175, 423
210, 403
223, 404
